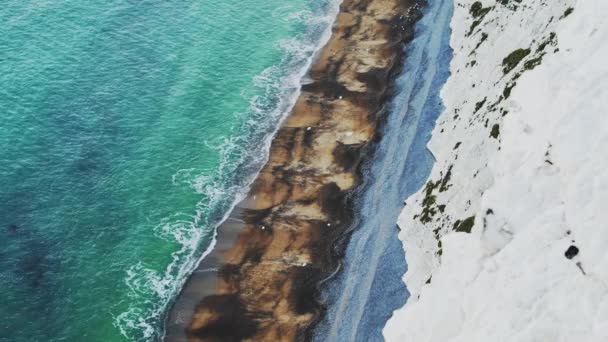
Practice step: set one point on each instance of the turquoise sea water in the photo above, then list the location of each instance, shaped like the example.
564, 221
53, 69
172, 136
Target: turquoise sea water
128, 130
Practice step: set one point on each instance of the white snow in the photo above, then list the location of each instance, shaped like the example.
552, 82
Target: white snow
537, 188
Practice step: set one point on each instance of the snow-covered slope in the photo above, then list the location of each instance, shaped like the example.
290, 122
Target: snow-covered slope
521, 176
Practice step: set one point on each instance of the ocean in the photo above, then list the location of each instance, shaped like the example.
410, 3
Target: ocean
129, 129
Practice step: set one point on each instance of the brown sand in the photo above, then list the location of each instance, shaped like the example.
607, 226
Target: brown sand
260, 282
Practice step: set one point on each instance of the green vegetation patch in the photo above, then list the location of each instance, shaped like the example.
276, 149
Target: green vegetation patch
533, 63
484, 37
507, 2
478, 12
512, 60
446, 179
428, 202
464, 226
495, 131
507, 91
510, 4
567, 12
480, 104
551, 40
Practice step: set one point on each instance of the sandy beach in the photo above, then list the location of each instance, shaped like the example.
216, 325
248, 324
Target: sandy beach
260, 281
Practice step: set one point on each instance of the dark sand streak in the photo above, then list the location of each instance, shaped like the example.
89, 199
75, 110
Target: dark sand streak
260, 283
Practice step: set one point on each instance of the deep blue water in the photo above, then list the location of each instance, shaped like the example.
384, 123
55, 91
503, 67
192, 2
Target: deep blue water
362, 297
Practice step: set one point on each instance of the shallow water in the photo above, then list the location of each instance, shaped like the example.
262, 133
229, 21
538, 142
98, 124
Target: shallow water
362, 297
128, 131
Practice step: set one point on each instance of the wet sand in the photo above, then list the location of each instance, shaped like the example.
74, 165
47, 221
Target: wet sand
260, 281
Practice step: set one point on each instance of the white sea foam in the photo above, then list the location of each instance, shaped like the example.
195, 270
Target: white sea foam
153, 291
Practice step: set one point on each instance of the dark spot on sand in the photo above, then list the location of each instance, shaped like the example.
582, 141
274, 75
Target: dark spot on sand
230, 272
304, 290
253, 255
375, 78
332, 201
231, 321
348, 156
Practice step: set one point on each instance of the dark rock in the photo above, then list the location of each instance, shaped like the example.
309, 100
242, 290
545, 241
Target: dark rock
571, 252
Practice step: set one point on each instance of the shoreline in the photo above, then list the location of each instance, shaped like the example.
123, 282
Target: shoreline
359, 299
260, 281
